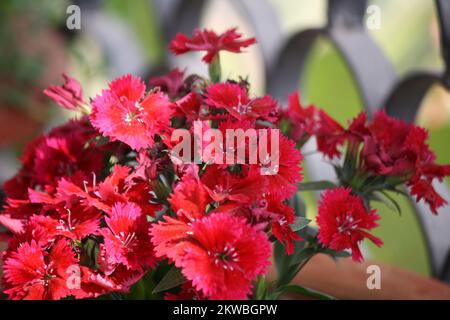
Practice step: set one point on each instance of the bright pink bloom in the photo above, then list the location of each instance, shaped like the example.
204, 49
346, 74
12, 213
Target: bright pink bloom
234, 98
69, 95
125, 113
344, 221
34, 274
209, 41
126, 237
14, 225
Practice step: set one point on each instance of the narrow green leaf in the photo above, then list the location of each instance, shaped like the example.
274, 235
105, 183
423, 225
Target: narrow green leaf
390, 202
316, 185
334, 254
303, 255
305, 291
299, 223
298, 205
261, 288
399, 191
172, 279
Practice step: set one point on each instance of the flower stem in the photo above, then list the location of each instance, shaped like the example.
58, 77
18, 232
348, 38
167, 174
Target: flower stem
215, 70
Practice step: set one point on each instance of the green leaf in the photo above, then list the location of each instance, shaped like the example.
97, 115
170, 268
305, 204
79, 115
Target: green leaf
172, 279
316, 185
299, 223
261, 288
397, 190
283, 262
298, 205
334, 254
137, 291
303, 255
289, 265
385, 198
293, 288
142, 290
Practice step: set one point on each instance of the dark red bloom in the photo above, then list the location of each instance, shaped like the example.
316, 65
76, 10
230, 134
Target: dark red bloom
344, 221
211, 42
330, 135
64, 151
171, 83
395, 148
189, 106
385, 151
67, 151
423, 189
301, 121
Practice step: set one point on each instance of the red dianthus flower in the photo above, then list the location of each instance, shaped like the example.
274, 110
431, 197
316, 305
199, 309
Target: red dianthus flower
125, 113
344, 221
211, 42
34, 274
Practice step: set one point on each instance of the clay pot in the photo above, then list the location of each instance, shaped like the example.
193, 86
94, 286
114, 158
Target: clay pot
346, 279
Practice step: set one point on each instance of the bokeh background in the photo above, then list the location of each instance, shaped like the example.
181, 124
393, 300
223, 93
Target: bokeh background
126, 37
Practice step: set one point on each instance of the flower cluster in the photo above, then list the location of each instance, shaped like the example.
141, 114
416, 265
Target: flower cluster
102, 201
382, 153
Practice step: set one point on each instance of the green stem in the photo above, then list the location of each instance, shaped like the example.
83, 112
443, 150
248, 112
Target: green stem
215, 70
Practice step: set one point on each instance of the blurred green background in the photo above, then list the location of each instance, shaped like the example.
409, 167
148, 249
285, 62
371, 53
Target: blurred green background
36, 48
